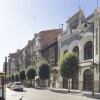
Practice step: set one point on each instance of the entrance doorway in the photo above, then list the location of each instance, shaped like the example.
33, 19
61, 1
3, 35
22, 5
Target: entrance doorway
87, 80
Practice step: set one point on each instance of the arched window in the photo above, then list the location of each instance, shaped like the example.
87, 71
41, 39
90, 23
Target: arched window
88, 50
76, 50
65, 51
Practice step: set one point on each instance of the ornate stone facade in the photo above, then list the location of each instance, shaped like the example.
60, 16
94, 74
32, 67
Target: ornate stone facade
77, 38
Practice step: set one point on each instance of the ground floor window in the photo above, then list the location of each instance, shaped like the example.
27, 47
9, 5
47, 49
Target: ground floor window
65, 83
75, 83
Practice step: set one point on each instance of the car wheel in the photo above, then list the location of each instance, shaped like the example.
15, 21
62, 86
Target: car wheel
21, 89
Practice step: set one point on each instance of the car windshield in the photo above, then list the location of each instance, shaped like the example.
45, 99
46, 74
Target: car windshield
18, 83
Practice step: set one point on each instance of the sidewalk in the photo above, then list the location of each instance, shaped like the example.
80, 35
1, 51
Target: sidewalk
77, 92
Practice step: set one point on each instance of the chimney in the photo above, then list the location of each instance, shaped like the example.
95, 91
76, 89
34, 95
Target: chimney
29, 41
18, 50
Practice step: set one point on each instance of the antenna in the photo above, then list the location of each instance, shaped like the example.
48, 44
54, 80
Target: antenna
97, 3
79, 5
59, 26
34, 24
19, 44
62, 26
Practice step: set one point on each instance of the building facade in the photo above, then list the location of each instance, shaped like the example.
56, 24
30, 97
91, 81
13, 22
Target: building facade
76, 38
42, 40
50, 55
30, 55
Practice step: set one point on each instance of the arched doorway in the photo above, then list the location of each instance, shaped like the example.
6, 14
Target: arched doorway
87, 80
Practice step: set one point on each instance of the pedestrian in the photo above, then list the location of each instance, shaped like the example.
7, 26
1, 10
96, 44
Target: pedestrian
53, 84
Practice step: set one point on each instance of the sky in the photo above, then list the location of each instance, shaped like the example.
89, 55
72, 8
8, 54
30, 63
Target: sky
20, 19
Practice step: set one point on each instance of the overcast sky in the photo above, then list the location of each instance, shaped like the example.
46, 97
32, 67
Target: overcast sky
20, 19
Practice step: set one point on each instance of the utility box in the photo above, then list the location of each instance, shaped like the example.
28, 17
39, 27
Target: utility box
2, 88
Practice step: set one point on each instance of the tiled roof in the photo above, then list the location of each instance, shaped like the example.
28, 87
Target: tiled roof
52, 30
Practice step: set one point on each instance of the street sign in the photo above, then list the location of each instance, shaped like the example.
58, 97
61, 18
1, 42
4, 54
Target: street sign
2, 75
2, 90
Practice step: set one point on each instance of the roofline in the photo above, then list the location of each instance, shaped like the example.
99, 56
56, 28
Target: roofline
49, 45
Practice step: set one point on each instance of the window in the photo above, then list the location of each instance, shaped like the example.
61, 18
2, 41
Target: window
37, 43
88, 50
76, 50
65, 51
52, 56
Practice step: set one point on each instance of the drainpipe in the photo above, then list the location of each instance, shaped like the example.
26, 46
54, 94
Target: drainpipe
99, 55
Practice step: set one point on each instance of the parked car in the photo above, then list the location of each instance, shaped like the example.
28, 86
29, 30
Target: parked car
9, 85
17, 86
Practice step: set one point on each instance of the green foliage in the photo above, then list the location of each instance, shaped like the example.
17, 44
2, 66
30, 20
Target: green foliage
9, 78
68, 65
22, 75
30, 73
16, 77
44, 71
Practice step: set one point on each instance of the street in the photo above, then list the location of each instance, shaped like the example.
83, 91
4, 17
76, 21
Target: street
39, 94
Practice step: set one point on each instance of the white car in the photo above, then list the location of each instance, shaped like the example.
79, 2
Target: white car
9, 85
17, 86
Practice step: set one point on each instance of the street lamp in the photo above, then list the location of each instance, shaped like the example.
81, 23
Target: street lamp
36, 62
85, 26
5, 74
5, 69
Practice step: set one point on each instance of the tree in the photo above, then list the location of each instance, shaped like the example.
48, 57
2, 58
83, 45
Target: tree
7, 79
68, 66
16, 77
22, 75
30, 73
44, 72
12, 78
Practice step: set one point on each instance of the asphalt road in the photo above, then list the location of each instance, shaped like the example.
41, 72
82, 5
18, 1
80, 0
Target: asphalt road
39, 94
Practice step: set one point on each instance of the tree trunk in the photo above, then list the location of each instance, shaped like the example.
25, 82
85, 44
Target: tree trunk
69, 86
31, 82
34, 82
44, 83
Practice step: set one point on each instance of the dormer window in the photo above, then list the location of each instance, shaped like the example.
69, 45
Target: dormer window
74, 24
75, 21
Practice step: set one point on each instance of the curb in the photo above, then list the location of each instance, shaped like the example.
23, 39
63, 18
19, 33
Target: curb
82, 93
64, 91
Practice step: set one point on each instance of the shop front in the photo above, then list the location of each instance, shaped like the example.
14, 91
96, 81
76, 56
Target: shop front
2, 88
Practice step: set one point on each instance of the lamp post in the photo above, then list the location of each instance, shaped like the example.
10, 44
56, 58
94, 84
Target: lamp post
36, 61
86, 25
5, 74
5, 68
